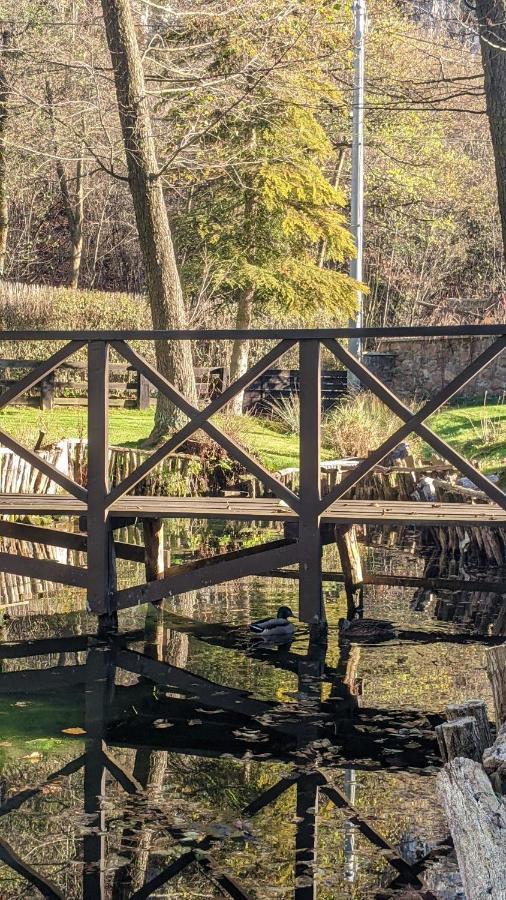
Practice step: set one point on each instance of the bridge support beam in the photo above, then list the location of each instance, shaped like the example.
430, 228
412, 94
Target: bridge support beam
101, 561
311, 606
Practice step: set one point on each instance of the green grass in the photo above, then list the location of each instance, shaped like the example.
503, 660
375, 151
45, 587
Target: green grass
478, 432
129, 427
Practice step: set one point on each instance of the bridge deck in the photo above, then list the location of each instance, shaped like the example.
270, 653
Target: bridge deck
262, 509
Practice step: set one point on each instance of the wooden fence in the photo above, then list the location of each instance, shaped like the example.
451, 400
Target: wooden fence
131, 389
128, 388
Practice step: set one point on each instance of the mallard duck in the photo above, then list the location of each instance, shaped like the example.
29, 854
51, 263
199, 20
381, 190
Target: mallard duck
367, 629
277, 628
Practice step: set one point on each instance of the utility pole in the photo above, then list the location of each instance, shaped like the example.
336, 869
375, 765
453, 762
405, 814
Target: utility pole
357, 164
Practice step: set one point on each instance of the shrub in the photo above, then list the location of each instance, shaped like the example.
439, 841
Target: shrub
26, 307
358, 425
286, 411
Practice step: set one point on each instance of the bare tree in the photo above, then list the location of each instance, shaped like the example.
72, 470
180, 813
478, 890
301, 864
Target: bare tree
5, 41
174, 358
73, 207
491, 16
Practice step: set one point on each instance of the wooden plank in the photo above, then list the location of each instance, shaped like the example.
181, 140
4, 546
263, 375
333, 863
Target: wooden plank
265, 509
412, 421
218, 569
231, 446
42, 681
44, 569
101, 576
39, 371
451, 584
52, 537
262, 334
310, 585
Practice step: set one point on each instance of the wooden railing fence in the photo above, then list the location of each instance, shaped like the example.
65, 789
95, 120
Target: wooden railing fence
100, 505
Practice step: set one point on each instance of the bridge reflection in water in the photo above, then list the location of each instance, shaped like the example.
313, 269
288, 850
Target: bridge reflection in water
132, 698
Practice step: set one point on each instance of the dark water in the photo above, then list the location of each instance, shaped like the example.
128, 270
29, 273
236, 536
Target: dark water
169, 734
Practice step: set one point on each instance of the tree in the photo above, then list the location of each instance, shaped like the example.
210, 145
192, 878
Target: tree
491, 17
260, 206
174, 358
5, 42
73, 207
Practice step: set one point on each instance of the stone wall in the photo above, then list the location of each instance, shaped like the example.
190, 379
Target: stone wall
418, 368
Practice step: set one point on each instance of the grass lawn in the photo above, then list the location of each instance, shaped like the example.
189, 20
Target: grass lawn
477, 432
129, 427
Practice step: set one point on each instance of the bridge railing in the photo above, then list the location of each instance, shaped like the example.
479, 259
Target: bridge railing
307, 505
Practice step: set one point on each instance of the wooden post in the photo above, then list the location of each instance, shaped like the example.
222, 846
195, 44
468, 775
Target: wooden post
143, 391
310, 581
351, 564
47, 392
496, 671
459, 738
101, 568
477, 710
154, 555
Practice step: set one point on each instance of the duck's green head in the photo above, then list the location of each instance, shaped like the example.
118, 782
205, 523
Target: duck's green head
284, 612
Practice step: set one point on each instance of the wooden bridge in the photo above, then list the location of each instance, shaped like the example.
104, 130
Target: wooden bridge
103, 507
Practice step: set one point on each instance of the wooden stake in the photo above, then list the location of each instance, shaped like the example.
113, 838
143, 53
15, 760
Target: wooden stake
477, 710
154, 556
351, 564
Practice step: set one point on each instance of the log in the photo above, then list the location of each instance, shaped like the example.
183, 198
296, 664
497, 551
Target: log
496, 671
477, 820
477, 710
461, 738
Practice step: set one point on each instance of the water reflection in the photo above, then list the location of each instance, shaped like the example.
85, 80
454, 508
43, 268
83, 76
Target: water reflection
183, 760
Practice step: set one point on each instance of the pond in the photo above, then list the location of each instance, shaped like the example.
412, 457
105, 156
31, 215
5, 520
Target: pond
179, 759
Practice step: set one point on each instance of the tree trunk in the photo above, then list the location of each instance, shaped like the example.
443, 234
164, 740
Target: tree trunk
74, 212
491, 16
240, 349
174, 358
5, 40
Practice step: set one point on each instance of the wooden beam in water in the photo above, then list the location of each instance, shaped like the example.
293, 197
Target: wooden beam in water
217, 569
450, 584
44, 569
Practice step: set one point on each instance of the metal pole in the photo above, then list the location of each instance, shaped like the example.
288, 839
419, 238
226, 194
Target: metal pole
357, 166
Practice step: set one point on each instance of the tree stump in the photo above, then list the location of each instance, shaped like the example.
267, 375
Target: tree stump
477, 710
477, 819
496, 671
459, 738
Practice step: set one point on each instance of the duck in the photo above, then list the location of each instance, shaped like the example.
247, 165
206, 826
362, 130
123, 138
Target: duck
367, 629
278, 628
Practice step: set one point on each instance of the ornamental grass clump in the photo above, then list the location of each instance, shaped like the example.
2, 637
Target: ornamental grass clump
359, 424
